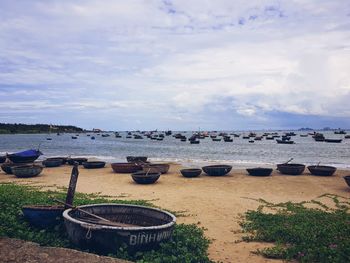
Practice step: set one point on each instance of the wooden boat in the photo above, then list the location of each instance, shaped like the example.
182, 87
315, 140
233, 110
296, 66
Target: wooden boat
347, 179
259, 171
28, 156
304, 135
2, 159
137, 227
43, 216
284, 142
217, 170
52, 162
194, 141
183, 139
26, 171
126, 167
63, 159
79, 160
74, 137
322, 170
333, 140
92, 137
228, 139
251, 141
94, 164
216, 139
347, 136
143, 177
136, 159
269, 138
258, 138
190, 173
291, 168
156, 167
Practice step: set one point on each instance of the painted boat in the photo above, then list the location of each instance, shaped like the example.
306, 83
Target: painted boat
291, 168
148, 177
146, 227
43, 216
190, 173
7, 167
27, 156
163, 168
52, 162
259, 171
26, 171
217, 170
94, 164
126, 167
322, 170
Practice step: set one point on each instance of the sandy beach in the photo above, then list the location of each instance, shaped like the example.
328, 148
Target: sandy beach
215, 202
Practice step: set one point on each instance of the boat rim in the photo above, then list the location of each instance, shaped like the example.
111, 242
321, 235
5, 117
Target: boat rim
83, 224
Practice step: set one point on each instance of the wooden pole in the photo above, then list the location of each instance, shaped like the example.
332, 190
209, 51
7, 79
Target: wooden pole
72, 186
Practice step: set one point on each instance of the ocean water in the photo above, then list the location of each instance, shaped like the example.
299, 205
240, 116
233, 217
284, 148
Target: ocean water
239, 153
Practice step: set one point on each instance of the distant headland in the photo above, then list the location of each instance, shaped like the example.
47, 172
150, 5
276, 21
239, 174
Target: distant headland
14, 128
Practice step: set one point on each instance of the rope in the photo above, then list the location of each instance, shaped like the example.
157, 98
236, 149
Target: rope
88, 233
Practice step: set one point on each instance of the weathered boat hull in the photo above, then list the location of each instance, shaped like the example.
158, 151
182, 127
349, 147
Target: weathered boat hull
43, 215
152, 226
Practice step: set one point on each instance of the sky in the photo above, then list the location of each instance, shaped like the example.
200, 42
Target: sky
181, 65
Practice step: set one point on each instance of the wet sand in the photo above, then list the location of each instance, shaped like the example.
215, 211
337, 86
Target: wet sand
214, 202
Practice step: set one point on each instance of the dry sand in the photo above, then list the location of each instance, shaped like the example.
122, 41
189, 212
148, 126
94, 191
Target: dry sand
215, 202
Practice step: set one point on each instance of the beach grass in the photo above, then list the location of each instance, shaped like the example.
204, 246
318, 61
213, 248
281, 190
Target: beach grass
188, 243
306, 231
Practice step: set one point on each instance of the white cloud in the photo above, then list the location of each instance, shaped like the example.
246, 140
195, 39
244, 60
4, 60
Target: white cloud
183, 57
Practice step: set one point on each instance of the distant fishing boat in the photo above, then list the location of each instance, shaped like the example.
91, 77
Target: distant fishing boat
333, 140
284, 141
74, 137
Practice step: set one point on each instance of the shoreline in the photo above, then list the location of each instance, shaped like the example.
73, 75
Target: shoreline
215, 202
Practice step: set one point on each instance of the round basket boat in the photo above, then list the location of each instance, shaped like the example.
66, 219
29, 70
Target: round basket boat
79, 160
63, 159
347, 180
259, 171
163, 168
136, 159
322, 170
52, 162
126, 168
145, 177
141, 228
291, 168
94, 165
2, 159
190, 173
7, 167
25, 171
217, 170
43, 215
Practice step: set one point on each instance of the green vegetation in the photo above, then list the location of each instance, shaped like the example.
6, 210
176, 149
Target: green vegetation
7, 128
306, 231
187, 245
